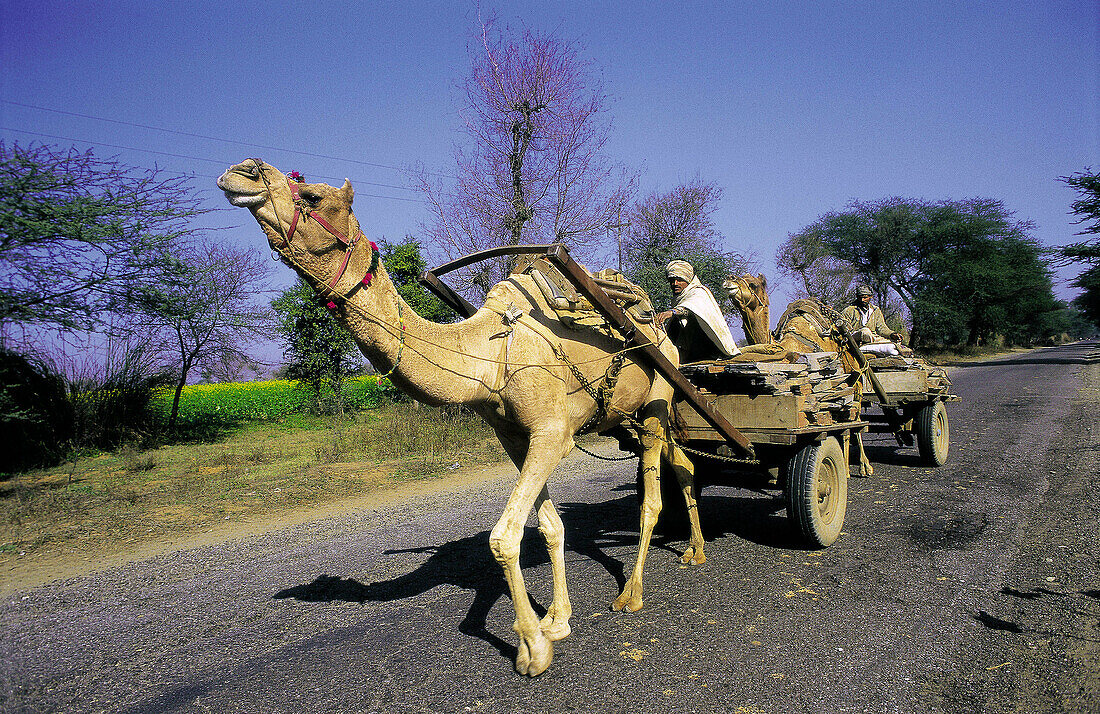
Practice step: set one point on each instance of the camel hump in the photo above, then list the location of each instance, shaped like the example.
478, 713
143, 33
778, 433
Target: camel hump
809, 310
572, 308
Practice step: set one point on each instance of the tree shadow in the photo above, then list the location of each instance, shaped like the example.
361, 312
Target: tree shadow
592, 531
1065, 601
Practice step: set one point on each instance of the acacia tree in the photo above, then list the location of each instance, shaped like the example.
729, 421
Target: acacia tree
960, 268
1087, 207
80, 236
678, 225
819, 275
206, 314
404, 264
531, 169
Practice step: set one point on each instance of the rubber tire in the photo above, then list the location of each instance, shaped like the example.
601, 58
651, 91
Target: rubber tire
816, 486
933, 434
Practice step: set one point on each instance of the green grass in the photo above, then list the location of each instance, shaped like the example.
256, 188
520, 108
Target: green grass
256, 467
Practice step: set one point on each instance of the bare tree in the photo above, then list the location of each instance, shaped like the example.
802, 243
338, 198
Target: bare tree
532, 169
805, 258
679, 225
207, 314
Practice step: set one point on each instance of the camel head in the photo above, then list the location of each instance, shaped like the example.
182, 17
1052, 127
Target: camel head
749, 294
310, 225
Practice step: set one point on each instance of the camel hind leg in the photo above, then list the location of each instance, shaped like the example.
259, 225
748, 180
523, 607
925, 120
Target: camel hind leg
656, 443
649, 435
685, 475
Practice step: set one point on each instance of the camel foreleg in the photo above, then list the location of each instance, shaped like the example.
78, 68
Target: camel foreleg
556, 622
865, 468
539, 456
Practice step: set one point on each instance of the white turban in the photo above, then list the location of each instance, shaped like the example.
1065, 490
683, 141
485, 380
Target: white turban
680, 269
697, 299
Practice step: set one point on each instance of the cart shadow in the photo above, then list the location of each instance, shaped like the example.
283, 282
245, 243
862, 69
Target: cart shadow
593, 531
888, 452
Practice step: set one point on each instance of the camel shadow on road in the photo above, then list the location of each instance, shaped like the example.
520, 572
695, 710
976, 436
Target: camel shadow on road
600, 532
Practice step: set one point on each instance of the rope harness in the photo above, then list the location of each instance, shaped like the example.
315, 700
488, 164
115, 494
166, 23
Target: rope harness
601, 393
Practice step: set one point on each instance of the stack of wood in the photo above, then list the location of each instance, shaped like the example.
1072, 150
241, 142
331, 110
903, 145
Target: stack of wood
815, 391
906, 370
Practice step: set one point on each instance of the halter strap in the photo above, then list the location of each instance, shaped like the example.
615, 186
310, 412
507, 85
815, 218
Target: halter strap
349, 242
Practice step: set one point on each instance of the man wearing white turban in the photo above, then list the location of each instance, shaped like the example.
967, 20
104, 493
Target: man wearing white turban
695, 322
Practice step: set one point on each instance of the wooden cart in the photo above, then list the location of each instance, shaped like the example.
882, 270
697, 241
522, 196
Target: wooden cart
790, 425
912, 405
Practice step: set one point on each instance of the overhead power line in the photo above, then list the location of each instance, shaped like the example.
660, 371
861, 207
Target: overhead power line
220, 162
209, 138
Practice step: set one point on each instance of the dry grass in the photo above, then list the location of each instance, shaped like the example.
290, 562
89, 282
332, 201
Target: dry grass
133, 495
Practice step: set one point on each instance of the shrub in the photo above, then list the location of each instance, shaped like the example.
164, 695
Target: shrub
111, 401
36, 417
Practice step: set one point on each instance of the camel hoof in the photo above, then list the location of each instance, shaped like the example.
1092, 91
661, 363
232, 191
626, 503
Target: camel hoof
555, 629
693, 557
627, 602
534, 655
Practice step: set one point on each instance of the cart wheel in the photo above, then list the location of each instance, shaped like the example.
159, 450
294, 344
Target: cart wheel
933, 438
817, 491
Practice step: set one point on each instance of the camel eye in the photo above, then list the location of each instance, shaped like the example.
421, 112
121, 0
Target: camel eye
311, 198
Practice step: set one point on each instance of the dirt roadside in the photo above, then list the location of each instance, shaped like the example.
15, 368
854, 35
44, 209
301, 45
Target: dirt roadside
38, 569
35, 569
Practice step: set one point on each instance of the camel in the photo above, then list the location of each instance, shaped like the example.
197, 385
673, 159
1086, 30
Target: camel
802, 328
513, 362
749, 294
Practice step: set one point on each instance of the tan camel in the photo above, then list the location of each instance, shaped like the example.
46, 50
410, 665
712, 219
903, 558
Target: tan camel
801, 328
513, 362
749, 294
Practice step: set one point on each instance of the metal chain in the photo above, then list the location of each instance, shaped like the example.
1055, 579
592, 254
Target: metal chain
718, 457
605, 458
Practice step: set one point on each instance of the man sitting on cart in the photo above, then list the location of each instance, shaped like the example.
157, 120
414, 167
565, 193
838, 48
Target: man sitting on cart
868, 326
695, 322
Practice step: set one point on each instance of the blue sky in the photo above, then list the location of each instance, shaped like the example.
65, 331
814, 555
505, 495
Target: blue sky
794, 109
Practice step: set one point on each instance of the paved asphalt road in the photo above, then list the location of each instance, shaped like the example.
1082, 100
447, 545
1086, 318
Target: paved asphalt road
972, 587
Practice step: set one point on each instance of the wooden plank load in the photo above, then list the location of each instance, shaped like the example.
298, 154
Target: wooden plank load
813, 392
904, 377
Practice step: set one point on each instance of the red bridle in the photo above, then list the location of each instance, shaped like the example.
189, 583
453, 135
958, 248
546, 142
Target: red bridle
299, 210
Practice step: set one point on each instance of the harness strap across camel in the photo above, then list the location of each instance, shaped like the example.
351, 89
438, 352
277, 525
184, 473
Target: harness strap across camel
601, 394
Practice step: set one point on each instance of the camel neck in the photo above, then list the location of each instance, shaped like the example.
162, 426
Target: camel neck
433, 363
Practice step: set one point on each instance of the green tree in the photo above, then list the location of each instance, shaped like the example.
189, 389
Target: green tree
81, 236
404, 263
319, 352
206, 314
985, 286
1087, 208
678, 225
962, 269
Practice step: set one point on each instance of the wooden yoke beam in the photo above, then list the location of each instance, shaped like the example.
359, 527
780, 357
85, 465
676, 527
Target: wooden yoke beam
559, 256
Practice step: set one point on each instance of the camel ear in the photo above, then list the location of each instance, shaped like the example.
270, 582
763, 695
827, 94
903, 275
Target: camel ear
348, 191
763, 280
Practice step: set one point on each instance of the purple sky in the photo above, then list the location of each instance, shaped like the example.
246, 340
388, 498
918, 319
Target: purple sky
794, 109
